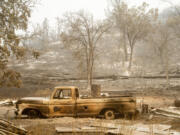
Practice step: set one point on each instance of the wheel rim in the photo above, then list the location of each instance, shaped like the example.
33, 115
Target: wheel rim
109, 115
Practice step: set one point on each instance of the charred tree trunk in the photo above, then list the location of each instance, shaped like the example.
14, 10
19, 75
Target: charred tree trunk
167, 73
166, 56
90, 65
130, 59
88, 81
125, 47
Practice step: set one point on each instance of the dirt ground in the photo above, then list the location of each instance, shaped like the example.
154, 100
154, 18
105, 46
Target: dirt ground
47, 126
152, 94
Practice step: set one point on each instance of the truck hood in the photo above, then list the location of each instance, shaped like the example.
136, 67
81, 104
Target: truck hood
32, 100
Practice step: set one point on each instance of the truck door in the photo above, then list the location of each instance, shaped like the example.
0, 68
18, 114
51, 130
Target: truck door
62, 103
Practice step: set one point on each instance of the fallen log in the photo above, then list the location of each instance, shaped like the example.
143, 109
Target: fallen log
106, 125
9, 128
2, 133
155, 129
117, 129
88, 130
136, 129
6, 132
170, 112
167, 115
76, 130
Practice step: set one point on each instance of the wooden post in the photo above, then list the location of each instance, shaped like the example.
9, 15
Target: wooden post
145, 109
95, 90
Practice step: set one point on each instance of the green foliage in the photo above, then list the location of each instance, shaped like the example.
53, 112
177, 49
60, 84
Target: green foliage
14, 16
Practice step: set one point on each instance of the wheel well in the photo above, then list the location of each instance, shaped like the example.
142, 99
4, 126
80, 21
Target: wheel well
24, 112
105, 109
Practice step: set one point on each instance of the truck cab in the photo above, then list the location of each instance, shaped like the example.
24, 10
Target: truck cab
63, 101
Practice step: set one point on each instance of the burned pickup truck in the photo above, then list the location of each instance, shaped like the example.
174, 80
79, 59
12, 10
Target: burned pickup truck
65, 101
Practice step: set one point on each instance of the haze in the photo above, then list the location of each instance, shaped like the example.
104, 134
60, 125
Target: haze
56, 8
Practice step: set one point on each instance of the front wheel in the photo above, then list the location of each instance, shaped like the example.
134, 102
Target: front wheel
33, 114
109, 115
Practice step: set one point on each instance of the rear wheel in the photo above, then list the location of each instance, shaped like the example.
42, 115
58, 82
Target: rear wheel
109, 114
33, 114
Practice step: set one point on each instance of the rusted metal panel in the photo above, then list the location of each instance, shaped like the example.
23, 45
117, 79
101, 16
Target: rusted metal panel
72, 105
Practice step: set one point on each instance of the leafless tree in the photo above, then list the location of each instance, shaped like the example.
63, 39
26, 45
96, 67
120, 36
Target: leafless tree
133, 24
174, 18
82, 33
161, 38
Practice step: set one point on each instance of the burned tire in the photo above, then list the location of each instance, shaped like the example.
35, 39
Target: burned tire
109, 114
177, 103
131, 116
33, 114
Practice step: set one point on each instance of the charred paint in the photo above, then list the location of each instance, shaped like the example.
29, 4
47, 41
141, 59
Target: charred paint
75, 106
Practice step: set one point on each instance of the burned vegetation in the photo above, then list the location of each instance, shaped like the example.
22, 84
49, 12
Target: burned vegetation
84, 75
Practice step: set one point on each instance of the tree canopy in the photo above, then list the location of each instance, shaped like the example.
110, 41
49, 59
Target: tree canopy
133, 24
82, 33
14, 16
